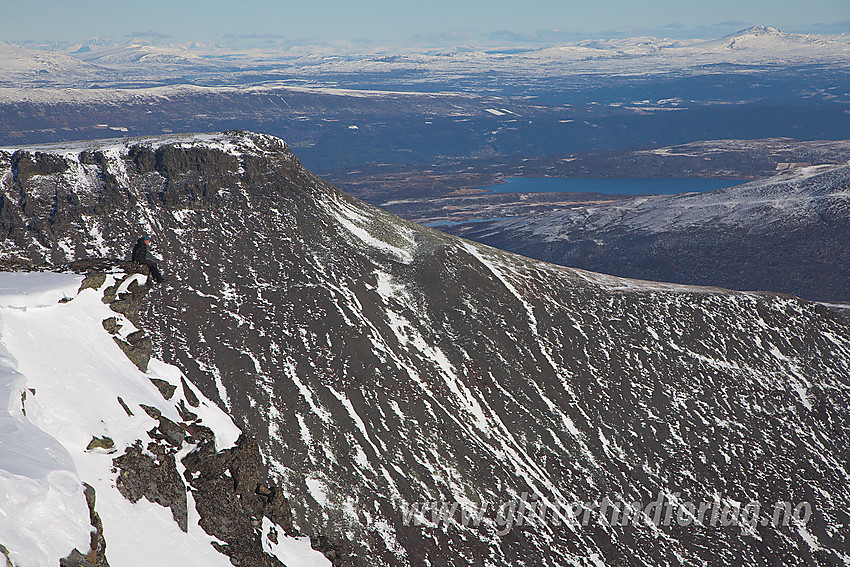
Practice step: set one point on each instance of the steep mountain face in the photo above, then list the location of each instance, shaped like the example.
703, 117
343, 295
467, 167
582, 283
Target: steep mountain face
382, 365
785, 234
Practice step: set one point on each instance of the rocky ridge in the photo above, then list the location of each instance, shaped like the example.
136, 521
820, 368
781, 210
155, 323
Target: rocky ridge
380, 364
230, 487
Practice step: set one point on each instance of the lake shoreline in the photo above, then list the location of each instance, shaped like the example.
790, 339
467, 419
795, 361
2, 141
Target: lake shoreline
611, 185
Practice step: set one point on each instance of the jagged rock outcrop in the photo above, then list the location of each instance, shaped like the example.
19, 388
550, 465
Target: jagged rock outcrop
124, 299
96, 556
230, 488
167, 390
138, 348
232, 498
152, 477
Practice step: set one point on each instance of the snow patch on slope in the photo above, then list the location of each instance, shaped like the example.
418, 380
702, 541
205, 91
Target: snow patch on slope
358, 224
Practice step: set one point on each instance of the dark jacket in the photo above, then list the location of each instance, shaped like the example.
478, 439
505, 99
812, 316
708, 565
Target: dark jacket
140, 251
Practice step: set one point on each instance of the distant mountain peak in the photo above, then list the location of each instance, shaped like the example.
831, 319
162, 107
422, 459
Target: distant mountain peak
92, 44
757, 30
766, 38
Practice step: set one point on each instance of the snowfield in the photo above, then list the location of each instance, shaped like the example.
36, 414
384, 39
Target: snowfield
61, 375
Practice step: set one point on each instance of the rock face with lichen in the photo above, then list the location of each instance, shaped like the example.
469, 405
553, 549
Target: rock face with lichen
379, 365
232, 498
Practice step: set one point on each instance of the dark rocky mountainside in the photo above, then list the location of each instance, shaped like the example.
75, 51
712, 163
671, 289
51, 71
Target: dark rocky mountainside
381, 364
785, 234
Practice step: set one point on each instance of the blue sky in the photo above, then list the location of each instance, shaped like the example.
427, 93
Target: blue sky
264, 22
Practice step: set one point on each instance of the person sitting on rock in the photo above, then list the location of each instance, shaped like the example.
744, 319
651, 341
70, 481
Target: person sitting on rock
140, 256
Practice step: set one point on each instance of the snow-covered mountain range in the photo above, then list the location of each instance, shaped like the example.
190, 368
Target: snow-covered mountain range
381, 366
140, 63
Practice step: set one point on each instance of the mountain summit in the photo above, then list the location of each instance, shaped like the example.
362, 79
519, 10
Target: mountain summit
756, 31
401, 383
764, 38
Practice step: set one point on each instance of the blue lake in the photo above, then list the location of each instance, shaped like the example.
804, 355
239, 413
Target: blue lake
439, 223
617, 186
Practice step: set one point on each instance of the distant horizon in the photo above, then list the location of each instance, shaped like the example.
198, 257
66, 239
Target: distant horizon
488, 41
439, 23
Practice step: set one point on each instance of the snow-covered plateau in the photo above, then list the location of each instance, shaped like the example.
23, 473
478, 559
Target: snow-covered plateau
137, 62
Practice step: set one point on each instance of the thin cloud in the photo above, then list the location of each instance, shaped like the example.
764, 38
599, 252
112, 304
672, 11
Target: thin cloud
261, 36
829, 28
732, 24
150, 34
